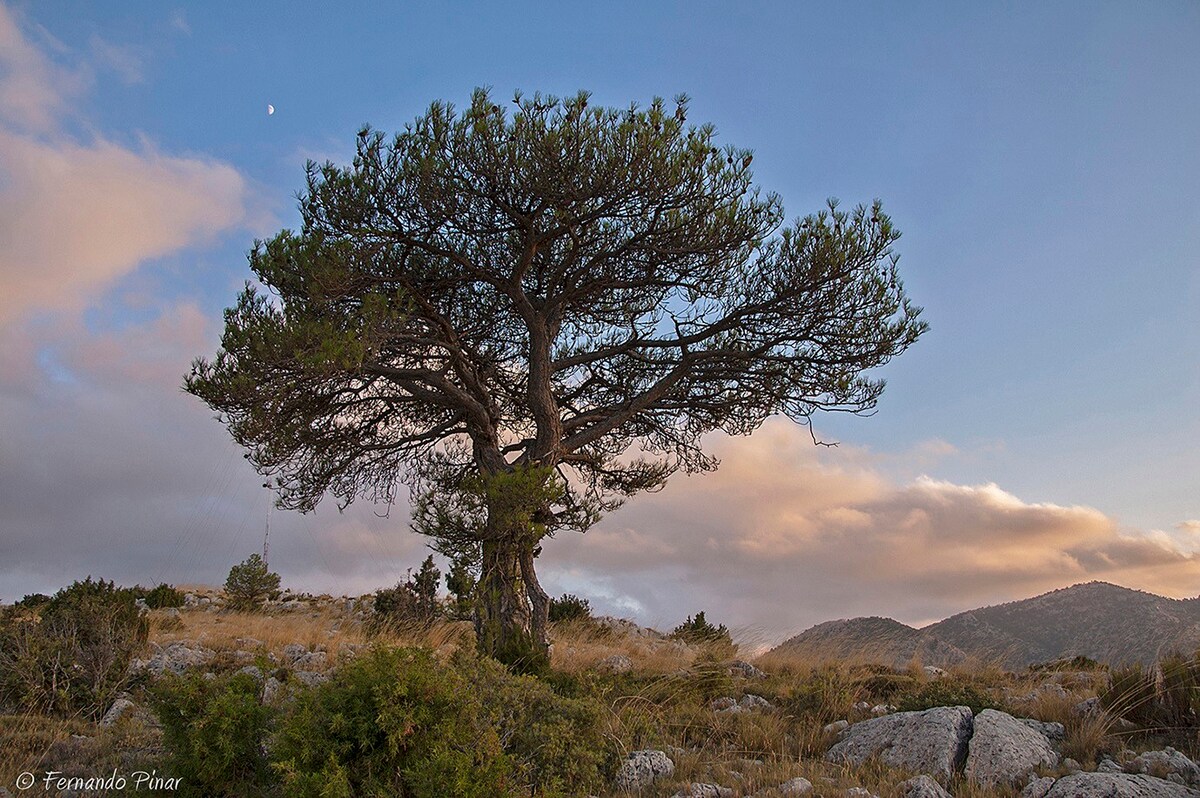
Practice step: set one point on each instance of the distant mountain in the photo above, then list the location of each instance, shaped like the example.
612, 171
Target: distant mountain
874, 640
1105, 622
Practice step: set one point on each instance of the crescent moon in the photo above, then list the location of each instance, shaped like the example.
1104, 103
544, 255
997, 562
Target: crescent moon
270, 110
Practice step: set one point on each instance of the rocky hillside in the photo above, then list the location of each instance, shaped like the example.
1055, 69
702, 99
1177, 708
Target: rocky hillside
1105, 622
881, 641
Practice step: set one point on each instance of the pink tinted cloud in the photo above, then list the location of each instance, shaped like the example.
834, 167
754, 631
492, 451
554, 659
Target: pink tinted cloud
786, 535
75, 216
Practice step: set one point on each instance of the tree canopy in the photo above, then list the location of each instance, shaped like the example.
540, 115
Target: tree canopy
528, 315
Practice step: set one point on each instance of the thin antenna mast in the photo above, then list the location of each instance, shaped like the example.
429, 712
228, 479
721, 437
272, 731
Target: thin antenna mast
267, 534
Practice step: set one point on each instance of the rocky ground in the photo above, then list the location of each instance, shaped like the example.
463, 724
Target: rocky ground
724, 726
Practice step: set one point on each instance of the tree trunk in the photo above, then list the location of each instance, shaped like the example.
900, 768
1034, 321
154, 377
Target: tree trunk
511, 607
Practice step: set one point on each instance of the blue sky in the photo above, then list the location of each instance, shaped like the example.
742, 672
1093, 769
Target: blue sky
1040, 159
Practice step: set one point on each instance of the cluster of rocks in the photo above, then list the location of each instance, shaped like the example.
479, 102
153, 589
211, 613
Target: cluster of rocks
993, 748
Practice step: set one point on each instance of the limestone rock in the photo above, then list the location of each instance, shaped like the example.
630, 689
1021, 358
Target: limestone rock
175, 658
272, 691
1038, 788
740, 667
293, 652
309, 678
837, 727
932, 741
923, 787
310, 660
253, 671
751, 701
1051, 730
1115, 785
617, 663
796, 786
116, 711
1164, 763
1004, 750
699, 790
642, 768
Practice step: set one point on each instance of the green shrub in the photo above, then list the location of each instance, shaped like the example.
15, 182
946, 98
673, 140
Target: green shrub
946, 693
413, 602
824, 696
32, 601
163, 596
698, 630
556, 743
461, 584
393, 722
213, 730
250, 583
72, 656
569, 608
885, 686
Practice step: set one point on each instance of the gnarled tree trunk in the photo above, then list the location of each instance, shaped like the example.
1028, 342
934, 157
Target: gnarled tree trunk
511, 609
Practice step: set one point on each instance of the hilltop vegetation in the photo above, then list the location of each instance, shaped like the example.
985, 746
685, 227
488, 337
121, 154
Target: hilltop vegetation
308, 697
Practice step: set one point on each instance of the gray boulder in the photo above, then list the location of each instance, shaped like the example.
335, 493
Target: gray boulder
253, 671
1004, 750
642, 768
699, 790
175, 658
310, 660
1165, 763
1051, 730
859, 792
837, 727
1115, 785
751, 701
309, 678
1109, 766
932, 741
272, 692
796, 786
1038, 787
293, 652
117, 711
923, 787
739, 667
617, 663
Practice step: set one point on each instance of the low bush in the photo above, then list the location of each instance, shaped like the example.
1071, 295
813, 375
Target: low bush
394, 722
163, 596
698, 631
413, 602
946, 693
557, 743
569, 608
72, 655
213, 730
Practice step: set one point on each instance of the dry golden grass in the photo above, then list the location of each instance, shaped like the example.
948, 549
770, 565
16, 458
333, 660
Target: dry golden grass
579, 646
25, 741
317, 630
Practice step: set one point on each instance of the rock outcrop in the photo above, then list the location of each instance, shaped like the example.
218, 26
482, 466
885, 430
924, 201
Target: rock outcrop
642, 768
1111, 785
932, 741
1003, 750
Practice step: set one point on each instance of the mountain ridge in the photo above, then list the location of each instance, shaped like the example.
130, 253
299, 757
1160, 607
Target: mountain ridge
1100, 620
